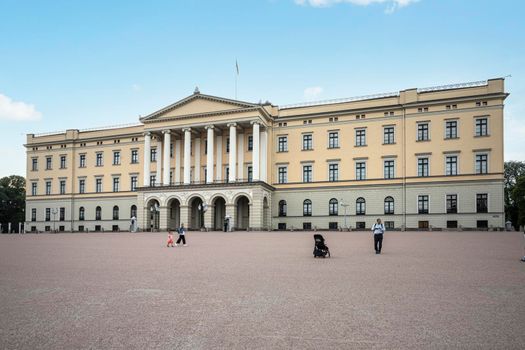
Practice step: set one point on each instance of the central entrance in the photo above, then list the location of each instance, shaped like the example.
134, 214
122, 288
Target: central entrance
243, 213
196, 214
219, 213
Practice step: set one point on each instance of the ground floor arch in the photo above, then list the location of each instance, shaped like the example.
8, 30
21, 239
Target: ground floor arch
173, 214
218, 207
242, 204
152, 215
196, 217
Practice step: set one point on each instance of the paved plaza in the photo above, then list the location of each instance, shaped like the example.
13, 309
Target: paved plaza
260, 290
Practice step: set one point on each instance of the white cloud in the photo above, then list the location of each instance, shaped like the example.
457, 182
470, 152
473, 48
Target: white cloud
313, 92
17, 111
392, 5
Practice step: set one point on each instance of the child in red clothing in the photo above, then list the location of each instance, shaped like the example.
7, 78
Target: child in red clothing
170, 239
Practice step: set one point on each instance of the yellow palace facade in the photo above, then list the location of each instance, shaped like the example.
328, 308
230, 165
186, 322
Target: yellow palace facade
428, 158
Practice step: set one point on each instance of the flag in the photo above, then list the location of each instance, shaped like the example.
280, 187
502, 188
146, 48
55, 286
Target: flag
237, 67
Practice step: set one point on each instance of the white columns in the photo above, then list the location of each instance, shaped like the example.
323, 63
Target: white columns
158, 177
209, 158
197, 171
187, 155
264, 153
167, 157
147, 158
233, 152
177, 162
240, 157
255, 152
218, 167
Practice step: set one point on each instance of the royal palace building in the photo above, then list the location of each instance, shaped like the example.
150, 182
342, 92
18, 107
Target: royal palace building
429, 158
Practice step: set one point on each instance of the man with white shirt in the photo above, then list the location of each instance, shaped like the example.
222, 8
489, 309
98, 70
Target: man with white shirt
379, 229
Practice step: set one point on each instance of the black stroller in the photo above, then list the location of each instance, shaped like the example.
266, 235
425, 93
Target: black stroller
320, 249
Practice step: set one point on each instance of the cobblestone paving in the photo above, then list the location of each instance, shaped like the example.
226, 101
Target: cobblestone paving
255, 290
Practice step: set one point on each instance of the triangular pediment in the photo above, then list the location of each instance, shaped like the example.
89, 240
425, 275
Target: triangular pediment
198, 104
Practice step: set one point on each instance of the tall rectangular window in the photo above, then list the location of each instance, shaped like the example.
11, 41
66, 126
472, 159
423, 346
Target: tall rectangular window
360, 170
307, 142
34, 164
152, 180
48, 214
283, 144
333, 139
81, 186
33, 214
482, 203
451, 129
48, 187
116, 158
82, 161
283, 174
389, 169
451, 165
481, 163
99, 161
133, 183
388, 135
250, 143
62, 215
333, 172
98, 185
49, 161
249, 172
307, 173
135, 156
34, 189
153, 154
116, 184
422, 132
482, 127
422, 204
227, 145
360, 137
422, 167
452, 203
62, 186
62, 162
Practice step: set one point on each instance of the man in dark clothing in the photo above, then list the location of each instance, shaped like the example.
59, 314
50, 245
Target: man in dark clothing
379, 229
182, 235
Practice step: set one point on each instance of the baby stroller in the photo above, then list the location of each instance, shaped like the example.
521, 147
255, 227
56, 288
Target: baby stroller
320, 249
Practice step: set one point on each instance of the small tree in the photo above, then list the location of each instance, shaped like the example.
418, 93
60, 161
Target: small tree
12, 200
513, 171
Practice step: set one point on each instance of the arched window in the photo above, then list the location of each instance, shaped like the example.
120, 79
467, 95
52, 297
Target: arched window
98, 213
307, 207
81, 214
282, 208
333, 207
133, 211
389, 205
360, 206
115, 212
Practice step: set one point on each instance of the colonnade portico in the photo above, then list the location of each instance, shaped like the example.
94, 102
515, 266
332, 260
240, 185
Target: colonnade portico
168, 146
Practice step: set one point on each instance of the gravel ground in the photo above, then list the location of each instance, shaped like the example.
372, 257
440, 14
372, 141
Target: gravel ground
255, 290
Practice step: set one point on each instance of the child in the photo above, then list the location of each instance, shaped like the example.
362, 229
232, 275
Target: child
170, 239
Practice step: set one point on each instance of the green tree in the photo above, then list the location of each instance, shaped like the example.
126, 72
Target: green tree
12, 201
518, 199
513, 170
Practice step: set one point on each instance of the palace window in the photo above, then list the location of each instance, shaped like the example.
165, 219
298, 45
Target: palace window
62, 162
360, 170
422, 204
333, 172
422, 132
99, 161
81, 186
81, 214
250, 143
62, 186
451, 129
82, 161
482, 127
360, 137
48, 163
115, 212
98, 213
333, 139
482, 200
388, 135
481, 163
116, 158
452, 203
307, 173
116, 184
34, 165
388, 169
389, 205
283, 144
98, 185
307, 207
360, 206
134, 156
451, 165
333, 207
133, 181
283, 174
34, 188
48, 188
282, 208
307, 142
422, 167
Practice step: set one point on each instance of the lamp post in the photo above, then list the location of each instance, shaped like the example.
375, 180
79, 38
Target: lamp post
54, 211
344, 205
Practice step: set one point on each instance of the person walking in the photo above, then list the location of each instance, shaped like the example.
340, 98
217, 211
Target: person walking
379, 229
182, 235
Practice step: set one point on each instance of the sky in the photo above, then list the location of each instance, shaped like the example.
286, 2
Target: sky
82, 64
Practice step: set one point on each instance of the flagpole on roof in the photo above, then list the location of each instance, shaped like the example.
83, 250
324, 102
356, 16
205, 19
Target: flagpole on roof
236, 76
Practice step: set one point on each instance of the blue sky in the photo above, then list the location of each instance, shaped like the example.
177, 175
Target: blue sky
83, 64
